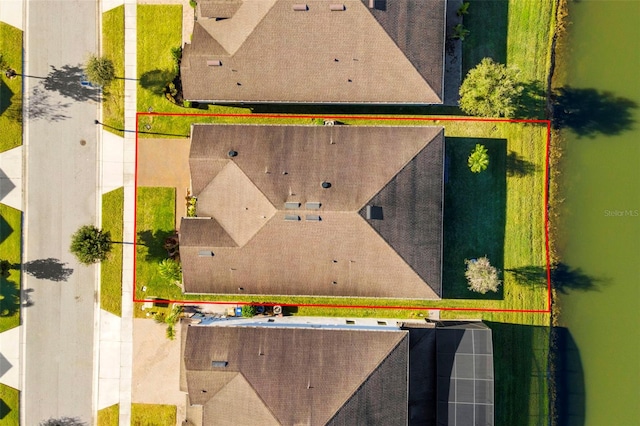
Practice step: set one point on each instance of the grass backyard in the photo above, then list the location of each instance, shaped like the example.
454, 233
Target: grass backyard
113, 48
11, 89
10, 250
111, 269
9, 406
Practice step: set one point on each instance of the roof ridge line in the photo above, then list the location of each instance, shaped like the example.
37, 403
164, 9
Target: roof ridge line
402, 167
405, 334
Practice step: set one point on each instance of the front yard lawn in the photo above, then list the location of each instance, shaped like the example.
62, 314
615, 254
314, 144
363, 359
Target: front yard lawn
9, 406
109, 416
111, 269
155, 221
10, 250
11, 89
153, 414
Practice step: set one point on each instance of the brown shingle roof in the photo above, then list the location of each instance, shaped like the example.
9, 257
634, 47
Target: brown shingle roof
298, 376
271, 53
218, 8
328, 250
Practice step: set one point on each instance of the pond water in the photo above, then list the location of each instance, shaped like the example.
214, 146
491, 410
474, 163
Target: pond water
599, 237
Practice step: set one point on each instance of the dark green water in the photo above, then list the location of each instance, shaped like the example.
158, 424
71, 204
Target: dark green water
600, 224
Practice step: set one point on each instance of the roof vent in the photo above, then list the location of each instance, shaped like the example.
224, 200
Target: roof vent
292, 217
232, 153
219, 364
313, 205
214, 63
300, 7
374, 212
326, 185
337, 7
291, 205
205, 253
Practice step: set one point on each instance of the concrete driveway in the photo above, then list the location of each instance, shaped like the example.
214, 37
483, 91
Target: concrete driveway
156, 367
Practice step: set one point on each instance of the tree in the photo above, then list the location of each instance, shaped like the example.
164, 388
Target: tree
99, 70
490, 90
170, 270
248, 311
478, 159
90, 244
463, 9
481, 276
460, 32
5, 267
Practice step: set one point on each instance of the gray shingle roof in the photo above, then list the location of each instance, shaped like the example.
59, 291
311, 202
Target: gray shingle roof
272, 53
294, 376
330, 249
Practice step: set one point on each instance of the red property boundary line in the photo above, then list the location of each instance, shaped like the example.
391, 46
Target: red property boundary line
361, 117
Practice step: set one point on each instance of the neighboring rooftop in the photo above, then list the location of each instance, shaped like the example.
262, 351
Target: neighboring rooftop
288, 373
296, 376
316, 51
315, 210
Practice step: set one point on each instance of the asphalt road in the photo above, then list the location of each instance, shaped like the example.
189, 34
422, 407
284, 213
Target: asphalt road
61, 191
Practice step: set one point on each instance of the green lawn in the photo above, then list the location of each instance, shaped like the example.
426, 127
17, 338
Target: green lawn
520, 368
155, 221
109, 416
10, 250
11, 89
113, 48
9, 406
111, 269
153, 415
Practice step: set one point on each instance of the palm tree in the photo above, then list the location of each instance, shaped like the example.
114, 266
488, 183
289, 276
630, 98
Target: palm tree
90, 244
478, 159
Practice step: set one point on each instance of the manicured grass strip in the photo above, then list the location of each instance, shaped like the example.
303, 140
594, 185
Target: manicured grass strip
111, 269
109, 416
153, 414
11, 89
113, 48
10, 250
155, 221
9, 406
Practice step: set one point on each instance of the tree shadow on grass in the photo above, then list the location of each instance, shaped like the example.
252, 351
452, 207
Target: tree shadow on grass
5, 96
589, 112
48, 269
66, 81
563, 277
9, 297
517, 166
154, 243
155, 81
531, 102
